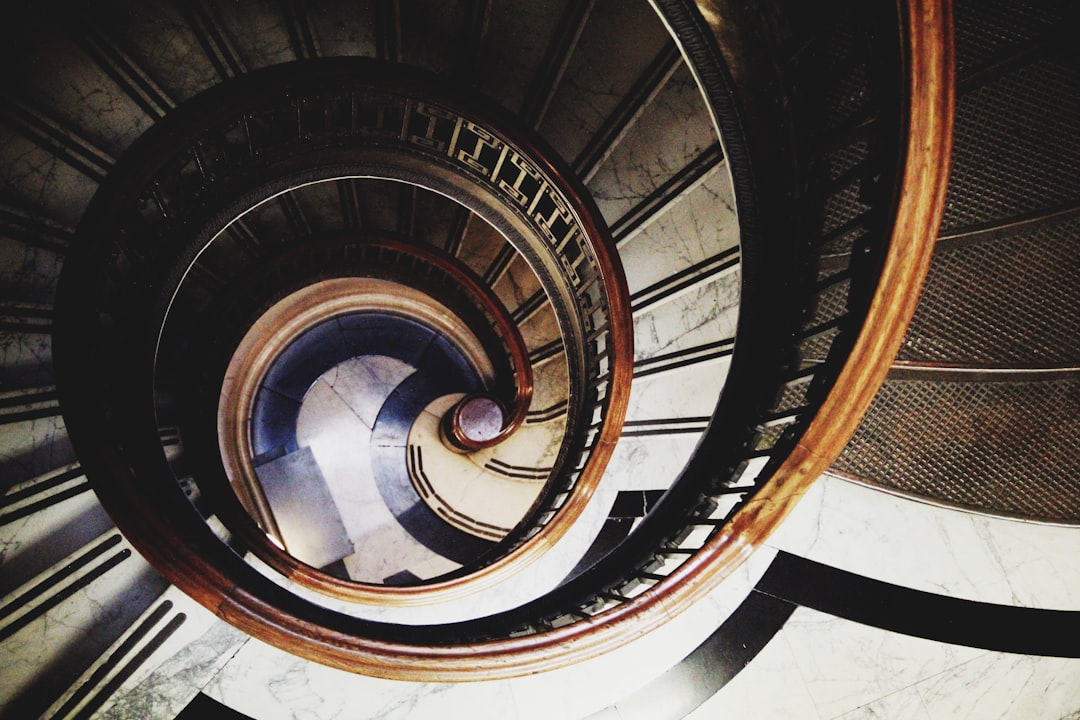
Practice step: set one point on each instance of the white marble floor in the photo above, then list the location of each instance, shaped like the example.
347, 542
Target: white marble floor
336, 421
343, 451
811, 664
819, 666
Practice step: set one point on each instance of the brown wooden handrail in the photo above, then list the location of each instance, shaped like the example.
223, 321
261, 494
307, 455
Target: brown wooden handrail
273, 615
121, 448
318, 304
611, 276
930, 93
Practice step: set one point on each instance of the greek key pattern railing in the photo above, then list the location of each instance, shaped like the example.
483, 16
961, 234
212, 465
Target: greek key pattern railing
193, 176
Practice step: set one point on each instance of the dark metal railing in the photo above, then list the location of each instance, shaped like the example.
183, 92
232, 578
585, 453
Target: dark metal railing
804, 365
185, 182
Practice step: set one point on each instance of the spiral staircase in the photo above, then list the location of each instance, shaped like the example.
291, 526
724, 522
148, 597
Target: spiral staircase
462, 341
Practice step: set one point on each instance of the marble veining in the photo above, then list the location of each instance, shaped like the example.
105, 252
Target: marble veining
833, 668
336, 421
647, 157
1000, 685
689, 391
550, 382
169, 675
32, 544
601, 71
166, 689
697, 225
83, 624
934, 549
574, 692
518, 36
267, 683
753, 691
29, 273
648, 463
73, 90
38, 177
480, 245
25, 360
162, 43
482, 485
363, 384
846, 665
533, 581
517, 284
701, 315
540, 328
903, 704
34, 447
258, 32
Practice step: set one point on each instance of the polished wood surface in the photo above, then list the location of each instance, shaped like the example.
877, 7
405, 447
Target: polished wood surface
208, 569
930, 82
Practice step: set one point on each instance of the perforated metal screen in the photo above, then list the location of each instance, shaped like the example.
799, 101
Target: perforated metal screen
1010, 447
1003, 289
1016, 145
986, 29
1012, 301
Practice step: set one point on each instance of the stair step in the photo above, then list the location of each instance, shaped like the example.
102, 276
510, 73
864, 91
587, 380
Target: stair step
648, 155
653, 80
163, 659
604, 70
42, 492
66, 616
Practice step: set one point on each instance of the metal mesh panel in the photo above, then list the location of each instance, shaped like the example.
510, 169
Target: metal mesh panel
847, 156
816, 349
846, 95
842, 244
843, 205
792, 396
1016, 145
768, 437
987, 28
1011, 447
1014, 301
832, 302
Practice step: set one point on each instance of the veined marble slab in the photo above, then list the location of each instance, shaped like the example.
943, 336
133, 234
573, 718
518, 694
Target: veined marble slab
935, 549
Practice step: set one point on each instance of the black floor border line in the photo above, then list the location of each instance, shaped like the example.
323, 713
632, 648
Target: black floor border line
792, 581
711, 665
204, 707
388, 458
684, 687
843, 594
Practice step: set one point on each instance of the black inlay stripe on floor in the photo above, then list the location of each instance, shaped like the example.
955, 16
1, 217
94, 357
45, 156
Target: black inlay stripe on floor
711, 665
204, 707
612, 532
389, 457
1001, 628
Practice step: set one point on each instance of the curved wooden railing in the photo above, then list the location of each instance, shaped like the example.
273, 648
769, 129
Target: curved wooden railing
639, 587
922, 183
334, 297
238, 144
